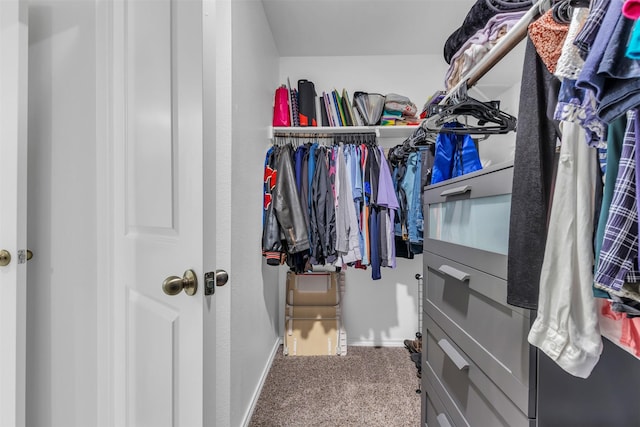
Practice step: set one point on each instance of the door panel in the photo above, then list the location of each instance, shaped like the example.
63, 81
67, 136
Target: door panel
13, 209
150, 124
153, 329
158, 206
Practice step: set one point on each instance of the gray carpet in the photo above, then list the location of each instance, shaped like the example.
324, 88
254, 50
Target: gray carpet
367, 387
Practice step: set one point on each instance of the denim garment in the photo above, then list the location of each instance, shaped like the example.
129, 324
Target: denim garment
409, 186
416, 227
620, 96
615, 63
589, 77
621, 89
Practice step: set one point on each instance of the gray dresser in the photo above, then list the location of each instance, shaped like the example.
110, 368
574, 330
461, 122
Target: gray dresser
478, 368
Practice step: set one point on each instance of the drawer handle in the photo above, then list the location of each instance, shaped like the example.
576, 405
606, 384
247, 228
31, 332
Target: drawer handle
454, 272
453, 354
443, 421
456, 191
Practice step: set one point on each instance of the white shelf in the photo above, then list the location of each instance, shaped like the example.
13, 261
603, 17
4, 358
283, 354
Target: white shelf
380, 131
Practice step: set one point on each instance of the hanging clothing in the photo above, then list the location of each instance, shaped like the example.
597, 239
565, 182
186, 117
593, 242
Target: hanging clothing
617, 265
586, 36
329, 205
347, 229
323, 216
272, 248
532, 180
388, 200
566, 326
286, 204
614, 147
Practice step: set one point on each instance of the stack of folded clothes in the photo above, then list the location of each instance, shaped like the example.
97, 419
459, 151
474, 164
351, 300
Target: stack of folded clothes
399, 111
485, 24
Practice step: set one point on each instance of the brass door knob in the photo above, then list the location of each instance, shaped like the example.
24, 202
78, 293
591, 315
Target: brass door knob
172, 285
5, 258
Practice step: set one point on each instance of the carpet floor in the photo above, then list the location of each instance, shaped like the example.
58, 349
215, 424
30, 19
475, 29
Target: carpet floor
370, 386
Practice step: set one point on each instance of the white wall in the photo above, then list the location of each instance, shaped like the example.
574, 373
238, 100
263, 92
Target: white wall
254, 287
62, 276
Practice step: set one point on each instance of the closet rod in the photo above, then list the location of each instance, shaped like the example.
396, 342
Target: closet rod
504, 46
319, 135
332, 130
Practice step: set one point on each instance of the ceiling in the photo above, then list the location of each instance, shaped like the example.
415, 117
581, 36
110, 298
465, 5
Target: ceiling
363, 27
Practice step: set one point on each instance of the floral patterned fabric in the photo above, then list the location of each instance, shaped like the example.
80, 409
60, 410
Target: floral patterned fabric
548, 37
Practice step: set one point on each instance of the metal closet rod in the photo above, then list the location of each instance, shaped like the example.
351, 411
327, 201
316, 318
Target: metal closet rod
504, 46
321, 134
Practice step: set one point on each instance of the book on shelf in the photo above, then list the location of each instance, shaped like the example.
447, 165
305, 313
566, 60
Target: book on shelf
345, 108
322, 116
336, 109
328, 105
338, 98
349, 108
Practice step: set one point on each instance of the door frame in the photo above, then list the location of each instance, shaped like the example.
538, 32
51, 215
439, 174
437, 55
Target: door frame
13, 226
105, 222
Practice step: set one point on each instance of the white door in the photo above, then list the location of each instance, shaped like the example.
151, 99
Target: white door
13, 210
158, 187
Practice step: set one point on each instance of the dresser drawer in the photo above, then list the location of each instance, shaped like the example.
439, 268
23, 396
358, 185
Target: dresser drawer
467, 393
470, 306
467, 220
436, 413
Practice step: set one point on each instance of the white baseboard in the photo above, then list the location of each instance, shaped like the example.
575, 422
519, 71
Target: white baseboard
369, 343
263, 378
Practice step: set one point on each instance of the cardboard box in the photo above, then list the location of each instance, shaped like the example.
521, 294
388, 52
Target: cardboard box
312, 289
312, 331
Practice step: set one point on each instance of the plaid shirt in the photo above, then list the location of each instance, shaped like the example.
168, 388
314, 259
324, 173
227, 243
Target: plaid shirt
587, 34
619, 253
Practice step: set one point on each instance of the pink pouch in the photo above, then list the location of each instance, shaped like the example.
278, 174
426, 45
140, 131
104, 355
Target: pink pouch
281, 107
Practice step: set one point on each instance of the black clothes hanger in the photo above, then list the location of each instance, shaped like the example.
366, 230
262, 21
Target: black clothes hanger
579, 3
489, 119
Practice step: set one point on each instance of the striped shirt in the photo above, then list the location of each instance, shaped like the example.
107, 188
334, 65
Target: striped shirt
618, 256
587, 34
